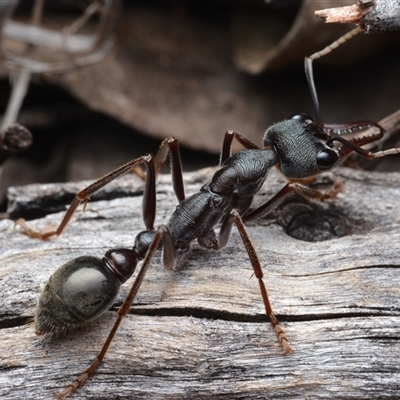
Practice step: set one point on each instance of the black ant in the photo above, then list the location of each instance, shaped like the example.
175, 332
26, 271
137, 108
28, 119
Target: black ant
299, 147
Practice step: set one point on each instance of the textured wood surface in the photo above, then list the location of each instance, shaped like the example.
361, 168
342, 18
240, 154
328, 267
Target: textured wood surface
199, 332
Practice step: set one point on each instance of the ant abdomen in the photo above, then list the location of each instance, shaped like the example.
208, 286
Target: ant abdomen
82, 290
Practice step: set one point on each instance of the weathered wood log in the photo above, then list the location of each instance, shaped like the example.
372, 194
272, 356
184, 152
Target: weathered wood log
200, 332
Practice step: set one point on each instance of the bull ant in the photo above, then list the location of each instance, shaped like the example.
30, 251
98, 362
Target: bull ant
300, 147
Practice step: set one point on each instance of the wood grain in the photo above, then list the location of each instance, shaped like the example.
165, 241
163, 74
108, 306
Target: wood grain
199, 332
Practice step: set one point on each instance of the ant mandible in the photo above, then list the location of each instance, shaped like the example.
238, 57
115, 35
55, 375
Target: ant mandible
298, 146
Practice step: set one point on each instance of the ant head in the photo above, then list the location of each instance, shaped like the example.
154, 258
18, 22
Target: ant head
301, 146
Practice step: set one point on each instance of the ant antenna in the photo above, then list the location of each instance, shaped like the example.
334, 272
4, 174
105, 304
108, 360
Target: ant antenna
309, 69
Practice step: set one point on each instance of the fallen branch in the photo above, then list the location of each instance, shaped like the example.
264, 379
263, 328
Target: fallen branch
199, 332
372, 15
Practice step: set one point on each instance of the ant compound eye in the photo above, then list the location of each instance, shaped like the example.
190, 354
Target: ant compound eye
327, 158
302, 118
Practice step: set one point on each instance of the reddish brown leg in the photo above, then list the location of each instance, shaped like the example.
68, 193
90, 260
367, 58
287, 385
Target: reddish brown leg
153, 164
122, 312
226, 150
169, 260
288, 189
222, 240
84, 196
280, 333
176, 165
353, 145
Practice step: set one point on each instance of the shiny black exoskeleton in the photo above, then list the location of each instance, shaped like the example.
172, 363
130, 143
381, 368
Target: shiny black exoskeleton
84, 288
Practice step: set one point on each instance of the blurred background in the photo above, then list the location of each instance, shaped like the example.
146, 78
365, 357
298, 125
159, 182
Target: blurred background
106, 81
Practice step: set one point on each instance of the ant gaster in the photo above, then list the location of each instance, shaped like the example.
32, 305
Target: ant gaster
299, 147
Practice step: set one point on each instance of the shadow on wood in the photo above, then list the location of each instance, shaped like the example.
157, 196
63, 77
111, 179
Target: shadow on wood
200, 332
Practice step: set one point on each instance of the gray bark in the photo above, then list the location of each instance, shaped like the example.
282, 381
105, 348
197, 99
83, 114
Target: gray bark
200, 332
373, 16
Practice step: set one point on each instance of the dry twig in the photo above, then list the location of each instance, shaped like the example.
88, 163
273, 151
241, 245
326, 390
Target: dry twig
372, 15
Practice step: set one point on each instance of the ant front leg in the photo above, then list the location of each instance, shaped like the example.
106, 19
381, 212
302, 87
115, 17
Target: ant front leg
354, 145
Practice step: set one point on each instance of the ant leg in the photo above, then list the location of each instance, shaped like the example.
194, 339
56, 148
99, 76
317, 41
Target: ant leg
288, 189
122, 311
210, 240
153, 165
352, 145
255, 262
176, 165
319, 54
85, 194
226, 150
256, 214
